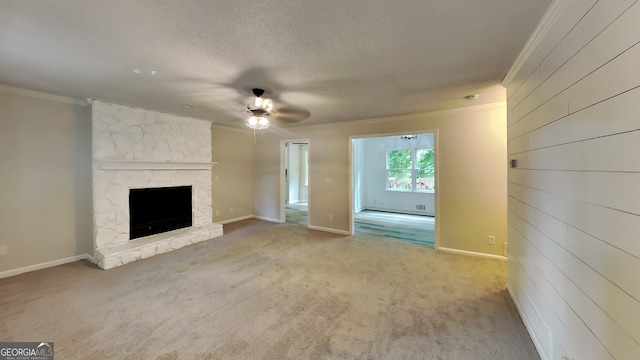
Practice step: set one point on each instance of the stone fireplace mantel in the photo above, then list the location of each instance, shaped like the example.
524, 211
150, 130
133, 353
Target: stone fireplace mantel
109, 164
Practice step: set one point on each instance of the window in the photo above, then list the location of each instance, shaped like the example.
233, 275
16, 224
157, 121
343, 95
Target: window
410, 170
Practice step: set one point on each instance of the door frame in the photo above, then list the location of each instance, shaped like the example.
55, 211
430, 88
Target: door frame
436, 198
283, 179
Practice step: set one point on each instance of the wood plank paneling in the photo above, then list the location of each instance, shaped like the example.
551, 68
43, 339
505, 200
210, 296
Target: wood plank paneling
600, 271
609, 44
578, 338
552, 110
574, 199
617, 76
599, 18
614, 116
527, 293
616, 267
562, 157
607, 189
613, 153
518, 145
529, 84
617, 228
571, 16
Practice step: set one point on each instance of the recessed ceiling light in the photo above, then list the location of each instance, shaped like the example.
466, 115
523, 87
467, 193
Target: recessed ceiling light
471, 97
187, 106
153, 72
137, 71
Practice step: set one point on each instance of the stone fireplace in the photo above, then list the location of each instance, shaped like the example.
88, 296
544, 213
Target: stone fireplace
137, 149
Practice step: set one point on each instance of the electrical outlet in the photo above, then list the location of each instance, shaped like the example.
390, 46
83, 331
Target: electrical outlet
217, 178
330, 217
492, 240
231, 210
3, 250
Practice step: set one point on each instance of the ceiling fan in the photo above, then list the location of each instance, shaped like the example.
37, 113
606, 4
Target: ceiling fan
262, 108
259, 108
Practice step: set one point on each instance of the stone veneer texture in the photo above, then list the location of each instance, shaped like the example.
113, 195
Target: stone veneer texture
153, 146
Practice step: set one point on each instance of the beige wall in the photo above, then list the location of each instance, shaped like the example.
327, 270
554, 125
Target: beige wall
471, 170
45, 152
232, 179
46, 159
574, 199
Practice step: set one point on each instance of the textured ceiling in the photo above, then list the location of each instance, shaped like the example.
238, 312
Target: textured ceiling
321, 61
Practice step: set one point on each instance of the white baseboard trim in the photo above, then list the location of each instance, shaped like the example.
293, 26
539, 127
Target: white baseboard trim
88, 258
472, 253
330, 230
45, 265
268, 219
236, 219
397, 211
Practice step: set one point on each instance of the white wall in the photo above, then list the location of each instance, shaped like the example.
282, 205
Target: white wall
357, 163
303, 181
574, 198
45, 212
472, 172
296, 171
373, 184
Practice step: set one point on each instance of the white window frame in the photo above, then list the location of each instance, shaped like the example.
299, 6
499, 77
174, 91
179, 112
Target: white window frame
413, 170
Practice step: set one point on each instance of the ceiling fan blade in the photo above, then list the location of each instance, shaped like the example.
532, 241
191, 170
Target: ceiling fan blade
291, 114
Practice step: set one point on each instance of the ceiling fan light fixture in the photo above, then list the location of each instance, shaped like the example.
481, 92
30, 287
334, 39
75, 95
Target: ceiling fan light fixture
259, 108
257, 122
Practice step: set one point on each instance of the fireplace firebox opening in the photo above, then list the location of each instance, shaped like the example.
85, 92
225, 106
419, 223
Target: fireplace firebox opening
157, 210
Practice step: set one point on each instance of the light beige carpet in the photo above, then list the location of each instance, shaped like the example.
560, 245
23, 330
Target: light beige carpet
272, 291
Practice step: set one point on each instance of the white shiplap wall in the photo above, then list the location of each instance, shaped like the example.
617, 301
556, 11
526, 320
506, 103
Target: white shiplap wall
574, 197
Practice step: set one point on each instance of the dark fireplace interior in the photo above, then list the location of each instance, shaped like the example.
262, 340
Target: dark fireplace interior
157, 210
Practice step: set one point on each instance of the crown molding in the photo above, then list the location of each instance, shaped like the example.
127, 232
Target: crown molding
44, 96
549, 18
427, 115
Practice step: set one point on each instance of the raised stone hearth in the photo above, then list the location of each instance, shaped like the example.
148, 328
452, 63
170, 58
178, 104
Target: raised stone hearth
135, 148
112, 256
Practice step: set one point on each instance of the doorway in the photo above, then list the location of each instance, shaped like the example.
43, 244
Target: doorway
296, 182
394, 185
